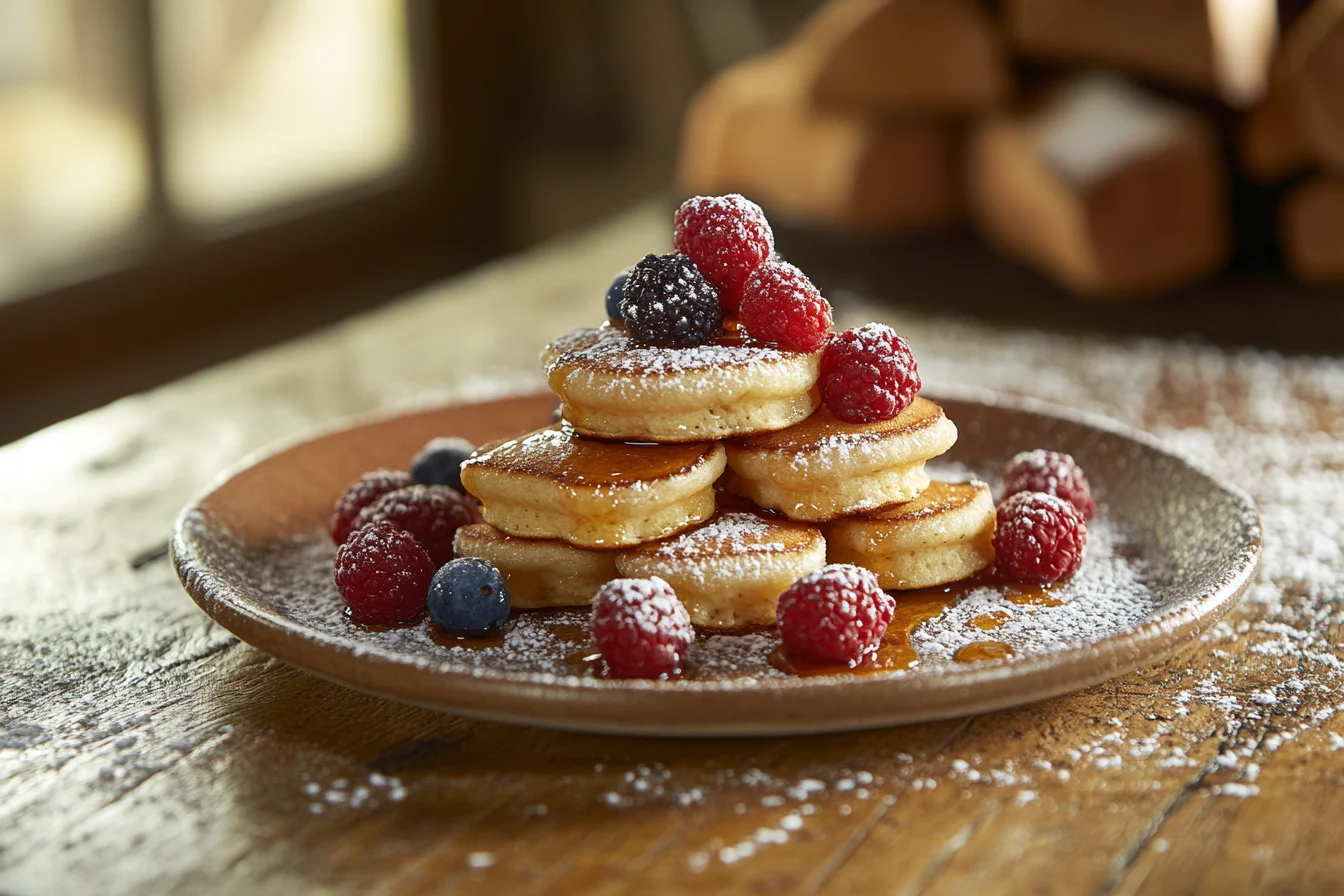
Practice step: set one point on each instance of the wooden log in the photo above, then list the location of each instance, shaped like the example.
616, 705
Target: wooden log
1207, 45
1314, 61
939, 56
1107, 189
752, 131
1270, 143
1311, 228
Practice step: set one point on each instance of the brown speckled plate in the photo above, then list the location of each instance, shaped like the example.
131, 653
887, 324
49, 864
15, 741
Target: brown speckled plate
1171, 550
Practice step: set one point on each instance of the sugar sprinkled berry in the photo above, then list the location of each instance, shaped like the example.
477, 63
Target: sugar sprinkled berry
360, 494
641, 628
431, 513
835, 615
780, 306
868, 374
1052, 472
1038, 539
383, 574
726, 237
667, 302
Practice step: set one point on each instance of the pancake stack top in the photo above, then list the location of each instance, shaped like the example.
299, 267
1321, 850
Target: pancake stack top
715, 433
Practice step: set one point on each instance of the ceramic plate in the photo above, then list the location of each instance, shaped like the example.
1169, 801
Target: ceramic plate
1169, 551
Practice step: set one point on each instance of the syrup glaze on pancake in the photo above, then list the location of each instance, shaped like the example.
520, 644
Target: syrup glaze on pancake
938, 499
823, 432
559, 454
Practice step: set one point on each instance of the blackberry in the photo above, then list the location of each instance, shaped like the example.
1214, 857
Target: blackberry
666, 301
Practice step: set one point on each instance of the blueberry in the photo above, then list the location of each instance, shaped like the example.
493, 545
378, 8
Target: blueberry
614, 295
440, 462
468, 597
559, 413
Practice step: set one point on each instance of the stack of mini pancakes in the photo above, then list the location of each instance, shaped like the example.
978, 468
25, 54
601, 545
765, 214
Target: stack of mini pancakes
717, 469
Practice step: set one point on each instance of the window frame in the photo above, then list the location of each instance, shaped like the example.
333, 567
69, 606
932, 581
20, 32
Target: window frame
282, 271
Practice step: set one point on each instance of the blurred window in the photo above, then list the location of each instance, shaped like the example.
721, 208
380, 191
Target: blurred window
127, 125
73, 171
270, 101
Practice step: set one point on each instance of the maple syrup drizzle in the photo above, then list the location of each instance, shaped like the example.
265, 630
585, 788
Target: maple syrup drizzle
990, 621
1030, 595
895, 652
474, 642
913, 608
587, 659
983, 651
570, 632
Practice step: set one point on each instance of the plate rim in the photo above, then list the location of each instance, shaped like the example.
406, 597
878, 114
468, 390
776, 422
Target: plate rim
328, 657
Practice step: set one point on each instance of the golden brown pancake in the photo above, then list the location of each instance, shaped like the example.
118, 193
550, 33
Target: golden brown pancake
539, 572
552, 483
611, 387
824, 468
944, 535
730, 571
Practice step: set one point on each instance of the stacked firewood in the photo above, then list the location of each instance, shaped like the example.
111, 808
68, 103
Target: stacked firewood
1096, 140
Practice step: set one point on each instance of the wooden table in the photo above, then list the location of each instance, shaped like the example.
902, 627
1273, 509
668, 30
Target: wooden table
142, 748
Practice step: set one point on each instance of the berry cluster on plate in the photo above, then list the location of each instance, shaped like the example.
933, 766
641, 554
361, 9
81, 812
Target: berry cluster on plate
720, 460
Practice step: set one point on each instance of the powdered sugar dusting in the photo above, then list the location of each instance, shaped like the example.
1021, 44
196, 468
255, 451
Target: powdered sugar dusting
1112, 593
612, 350
730, 533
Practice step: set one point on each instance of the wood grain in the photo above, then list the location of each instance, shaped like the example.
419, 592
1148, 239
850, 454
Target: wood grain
144, 749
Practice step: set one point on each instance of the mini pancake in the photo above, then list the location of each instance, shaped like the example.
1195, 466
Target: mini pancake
730, 572
552, 483
824, 468
944, 535
612, 388
539, 572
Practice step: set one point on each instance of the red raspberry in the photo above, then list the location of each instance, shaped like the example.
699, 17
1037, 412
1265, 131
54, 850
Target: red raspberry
1052, 472
868, 374
726, 237
360, 494
383, 574
835, 615
640, 627
782, 307
1039, 539
431, 513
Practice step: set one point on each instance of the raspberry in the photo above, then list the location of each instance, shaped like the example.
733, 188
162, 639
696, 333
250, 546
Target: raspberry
640, 627
360, 494
780, 306
1052, 472
383, 574
430, 513
667, 302
1039, 539
868, 374
835, 615
726, 237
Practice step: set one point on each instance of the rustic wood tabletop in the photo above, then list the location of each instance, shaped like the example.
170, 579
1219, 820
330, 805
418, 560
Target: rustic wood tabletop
144, 749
